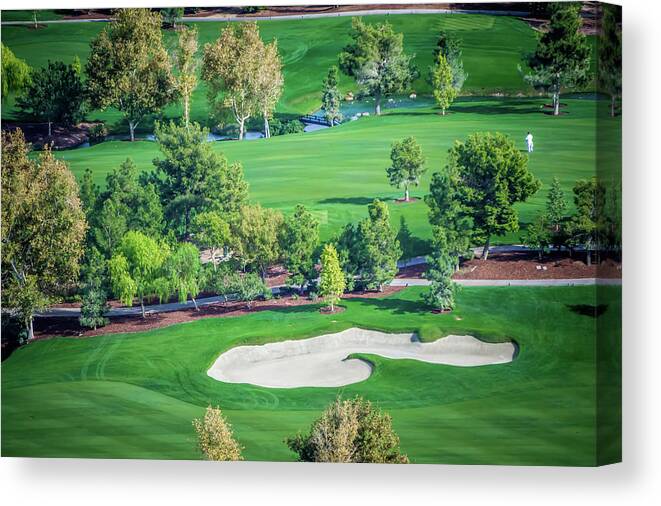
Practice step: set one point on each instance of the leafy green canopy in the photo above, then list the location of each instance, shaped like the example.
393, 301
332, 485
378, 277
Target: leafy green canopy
128, 67
351, 430
300, 239
369, 250
136, 269
331, 281
491, 175
54, 94
192, 178
15, 73
450, 48
407, 164
376, 59
330, 96
562, 57
43, 228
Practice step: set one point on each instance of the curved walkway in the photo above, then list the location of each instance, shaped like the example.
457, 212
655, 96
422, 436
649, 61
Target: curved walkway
177, 306
374, 12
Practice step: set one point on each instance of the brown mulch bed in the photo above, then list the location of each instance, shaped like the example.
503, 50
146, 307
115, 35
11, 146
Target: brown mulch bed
524, 265
62, 326
61, 138
409, 201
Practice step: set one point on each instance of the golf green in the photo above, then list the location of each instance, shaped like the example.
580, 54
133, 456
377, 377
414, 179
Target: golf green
134, 395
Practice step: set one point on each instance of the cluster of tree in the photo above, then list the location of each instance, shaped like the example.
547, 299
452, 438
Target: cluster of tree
243, 75
130, 70
348, 431
471, 201
609, 69
595, 225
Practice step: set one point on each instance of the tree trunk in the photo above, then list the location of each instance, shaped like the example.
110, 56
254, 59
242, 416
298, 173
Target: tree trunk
132, 127
186, 110
406, 194
485, 250
142, 308
612, 106
29, 327
50, 131
267, 128
377, 104
588, 257
556, 104
443, 112
241, 127
195, 303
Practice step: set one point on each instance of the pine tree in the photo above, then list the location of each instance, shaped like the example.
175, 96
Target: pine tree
330, 98
331, 283
440, 267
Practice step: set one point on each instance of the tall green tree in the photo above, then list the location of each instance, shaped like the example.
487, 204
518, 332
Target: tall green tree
330, 96
442, 87
609, 50
15, 73
136, 269
43, 228
440, 268
229, 67
95, 298
407, 164
450, 48
256, 233
446, 214
211, 231
331, 278
128, 67
300, 240
375, 58
370, 250
587, 226
54, 94
538, 235
562, 57
556, 205
491, 176
186, 63
192, 178
184, 269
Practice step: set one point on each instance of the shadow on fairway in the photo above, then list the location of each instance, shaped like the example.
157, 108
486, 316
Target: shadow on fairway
357, 201
588, 309
503, 108
395, 306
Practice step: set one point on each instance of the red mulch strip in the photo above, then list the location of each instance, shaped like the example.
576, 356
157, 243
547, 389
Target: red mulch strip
524, 265
409, 201
67, 326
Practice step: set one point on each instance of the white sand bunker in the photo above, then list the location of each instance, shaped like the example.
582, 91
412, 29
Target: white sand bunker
322, 361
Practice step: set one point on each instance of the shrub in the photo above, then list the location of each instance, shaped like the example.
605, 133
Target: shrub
215, 438
286, 127
350, 431
97, 133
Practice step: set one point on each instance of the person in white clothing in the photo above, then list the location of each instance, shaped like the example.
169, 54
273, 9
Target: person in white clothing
529, 142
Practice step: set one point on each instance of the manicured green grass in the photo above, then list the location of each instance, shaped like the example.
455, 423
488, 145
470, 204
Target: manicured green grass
42, 15
134, 395
336, 172
493, 46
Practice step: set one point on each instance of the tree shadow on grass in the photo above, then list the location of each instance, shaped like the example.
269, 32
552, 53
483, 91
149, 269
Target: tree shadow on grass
588, 309
395, 306
357, 201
